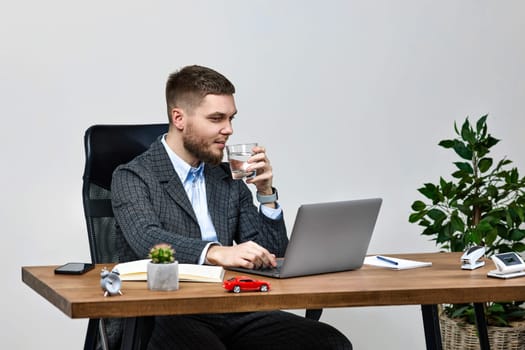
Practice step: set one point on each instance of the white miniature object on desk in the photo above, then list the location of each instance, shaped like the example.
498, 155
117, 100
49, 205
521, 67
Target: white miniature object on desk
472, 258
508, 265
110, 282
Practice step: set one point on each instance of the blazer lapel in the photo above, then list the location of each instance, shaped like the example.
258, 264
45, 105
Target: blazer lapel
217, 193
170, 180
175, 189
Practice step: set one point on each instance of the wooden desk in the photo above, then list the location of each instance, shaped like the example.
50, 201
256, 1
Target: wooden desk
444, 282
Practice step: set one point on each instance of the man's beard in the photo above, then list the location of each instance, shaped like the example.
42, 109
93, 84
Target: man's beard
200, 150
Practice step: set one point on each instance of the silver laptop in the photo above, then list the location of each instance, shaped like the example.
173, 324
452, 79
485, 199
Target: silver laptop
326, 237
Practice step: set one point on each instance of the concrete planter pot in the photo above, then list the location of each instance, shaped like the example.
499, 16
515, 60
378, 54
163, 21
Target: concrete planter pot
163, 276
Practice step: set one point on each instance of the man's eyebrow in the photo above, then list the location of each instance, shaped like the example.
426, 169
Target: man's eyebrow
221, 114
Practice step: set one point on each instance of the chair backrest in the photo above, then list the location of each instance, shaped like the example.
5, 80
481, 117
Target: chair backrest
106, 147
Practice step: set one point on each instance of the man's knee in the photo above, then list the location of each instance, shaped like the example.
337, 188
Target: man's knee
335, 340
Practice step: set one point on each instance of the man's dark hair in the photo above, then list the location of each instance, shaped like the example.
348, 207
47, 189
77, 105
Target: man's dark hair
187, 87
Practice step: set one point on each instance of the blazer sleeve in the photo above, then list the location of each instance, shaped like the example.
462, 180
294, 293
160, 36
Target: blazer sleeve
255, 226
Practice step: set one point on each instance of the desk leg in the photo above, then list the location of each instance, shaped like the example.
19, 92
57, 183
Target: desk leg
431, 325
481, 323
91, 334
96, 337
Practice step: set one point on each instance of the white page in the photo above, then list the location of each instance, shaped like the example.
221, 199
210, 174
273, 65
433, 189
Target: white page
402, 264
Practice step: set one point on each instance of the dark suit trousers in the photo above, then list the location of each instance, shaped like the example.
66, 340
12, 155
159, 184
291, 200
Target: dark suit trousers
253, 330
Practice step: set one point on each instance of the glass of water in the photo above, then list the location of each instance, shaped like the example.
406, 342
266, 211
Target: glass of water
238, 156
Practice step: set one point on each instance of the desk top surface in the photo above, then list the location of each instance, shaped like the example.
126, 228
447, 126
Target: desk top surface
443, 282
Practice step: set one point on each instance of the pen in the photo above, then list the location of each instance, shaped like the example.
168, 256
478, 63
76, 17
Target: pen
387, 260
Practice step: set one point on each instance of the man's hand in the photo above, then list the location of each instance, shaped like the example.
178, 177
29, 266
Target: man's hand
248, 255
264, 175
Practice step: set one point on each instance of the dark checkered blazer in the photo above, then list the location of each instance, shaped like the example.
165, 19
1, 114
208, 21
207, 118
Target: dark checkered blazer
151, 206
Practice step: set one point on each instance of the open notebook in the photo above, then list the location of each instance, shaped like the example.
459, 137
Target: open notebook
394, 263
137, 271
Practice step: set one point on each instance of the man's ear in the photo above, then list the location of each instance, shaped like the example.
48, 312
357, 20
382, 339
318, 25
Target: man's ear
177, 118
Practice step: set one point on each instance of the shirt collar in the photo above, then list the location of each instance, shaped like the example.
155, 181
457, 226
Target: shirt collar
184, 170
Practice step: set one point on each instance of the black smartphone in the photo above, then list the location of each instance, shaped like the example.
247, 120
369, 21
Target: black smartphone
74, 268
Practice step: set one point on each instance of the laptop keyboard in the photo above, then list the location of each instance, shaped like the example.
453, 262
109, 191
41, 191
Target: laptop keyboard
275, 270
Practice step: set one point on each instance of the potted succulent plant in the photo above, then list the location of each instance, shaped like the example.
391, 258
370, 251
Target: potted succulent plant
483, 204
163, 269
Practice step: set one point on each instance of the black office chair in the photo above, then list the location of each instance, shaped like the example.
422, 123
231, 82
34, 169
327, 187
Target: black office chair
106, 147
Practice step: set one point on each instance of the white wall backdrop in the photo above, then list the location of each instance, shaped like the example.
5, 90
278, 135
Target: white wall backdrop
349, 97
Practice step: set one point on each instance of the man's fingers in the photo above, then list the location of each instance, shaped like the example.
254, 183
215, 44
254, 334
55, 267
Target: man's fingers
258, 255
248, 254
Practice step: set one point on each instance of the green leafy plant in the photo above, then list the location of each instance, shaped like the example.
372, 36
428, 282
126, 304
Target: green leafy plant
497, 314
162, 254
484, 204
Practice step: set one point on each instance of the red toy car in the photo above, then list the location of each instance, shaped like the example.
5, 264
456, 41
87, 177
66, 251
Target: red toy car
243, 283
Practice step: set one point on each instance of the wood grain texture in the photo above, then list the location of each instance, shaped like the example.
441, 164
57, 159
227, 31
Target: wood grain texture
444, 282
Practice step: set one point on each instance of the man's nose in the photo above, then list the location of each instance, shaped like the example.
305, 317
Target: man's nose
228, 129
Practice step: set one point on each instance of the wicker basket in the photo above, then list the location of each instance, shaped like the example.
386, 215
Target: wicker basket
457, 335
